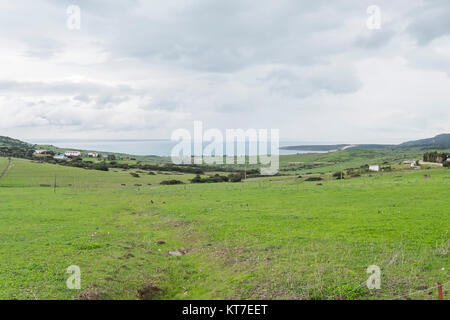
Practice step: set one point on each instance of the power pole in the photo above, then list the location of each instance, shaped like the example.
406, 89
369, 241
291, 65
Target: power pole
54, 185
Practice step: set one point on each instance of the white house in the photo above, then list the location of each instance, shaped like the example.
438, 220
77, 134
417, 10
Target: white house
93, 155
72, 154
40, 151
60, 156
374, 167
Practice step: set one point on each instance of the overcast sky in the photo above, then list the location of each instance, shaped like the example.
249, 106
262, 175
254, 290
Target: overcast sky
141, 69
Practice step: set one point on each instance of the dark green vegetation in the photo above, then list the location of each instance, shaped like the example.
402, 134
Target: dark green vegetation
439, 157
441, 141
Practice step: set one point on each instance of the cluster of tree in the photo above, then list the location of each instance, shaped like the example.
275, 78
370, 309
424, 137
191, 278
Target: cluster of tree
79, 163
435, 157
171, 182
233, 177
314, 179
16, 152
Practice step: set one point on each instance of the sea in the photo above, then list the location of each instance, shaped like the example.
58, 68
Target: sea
145, 147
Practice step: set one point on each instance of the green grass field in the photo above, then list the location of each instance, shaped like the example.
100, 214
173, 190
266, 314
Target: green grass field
265, 238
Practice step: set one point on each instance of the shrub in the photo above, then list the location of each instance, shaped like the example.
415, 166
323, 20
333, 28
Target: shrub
136, 175
235, 177
338, 175
171, 182
211, 179
197, 179
314, 179
100, 166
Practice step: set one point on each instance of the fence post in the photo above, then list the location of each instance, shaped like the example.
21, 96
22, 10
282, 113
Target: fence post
440, 294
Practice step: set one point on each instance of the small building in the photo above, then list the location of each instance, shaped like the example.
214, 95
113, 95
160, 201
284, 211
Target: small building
374, 167
72, 154
60, 157
40, 151
93, 155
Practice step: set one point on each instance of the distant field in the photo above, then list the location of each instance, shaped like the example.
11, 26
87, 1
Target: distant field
341, 160
266, 238
33, 174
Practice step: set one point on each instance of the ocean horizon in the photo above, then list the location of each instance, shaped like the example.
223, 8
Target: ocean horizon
141, 147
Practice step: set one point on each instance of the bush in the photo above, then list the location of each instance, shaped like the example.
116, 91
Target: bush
171, 182
136, 175
211, 179
197, 179
100, 166
235, 177
338, 175
314, 179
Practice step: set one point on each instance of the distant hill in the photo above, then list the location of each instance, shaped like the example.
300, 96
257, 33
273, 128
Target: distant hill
441, 141
17, 148
14, 143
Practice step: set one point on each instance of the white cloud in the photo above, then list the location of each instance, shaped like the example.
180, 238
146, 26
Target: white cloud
140, 69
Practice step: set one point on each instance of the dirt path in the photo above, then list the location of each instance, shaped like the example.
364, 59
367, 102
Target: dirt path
8, 167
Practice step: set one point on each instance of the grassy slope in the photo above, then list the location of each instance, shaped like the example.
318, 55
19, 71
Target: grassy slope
341, 160
266, 238
32, 174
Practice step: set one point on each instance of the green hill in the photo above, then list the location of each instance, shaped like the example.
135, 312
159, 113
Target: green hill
14, 143
441, 141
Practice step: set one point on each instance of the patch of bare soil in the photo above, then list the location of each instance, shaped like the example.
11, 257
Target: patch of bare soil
149, 292
88, 294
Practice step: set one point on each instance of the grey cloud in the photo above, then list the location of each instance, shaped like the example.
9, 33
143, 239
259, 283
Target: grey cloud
372, 39
225, 36
215, 61
430, 21
83, 98
79, 89
43, 48
110, 99
303, 82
